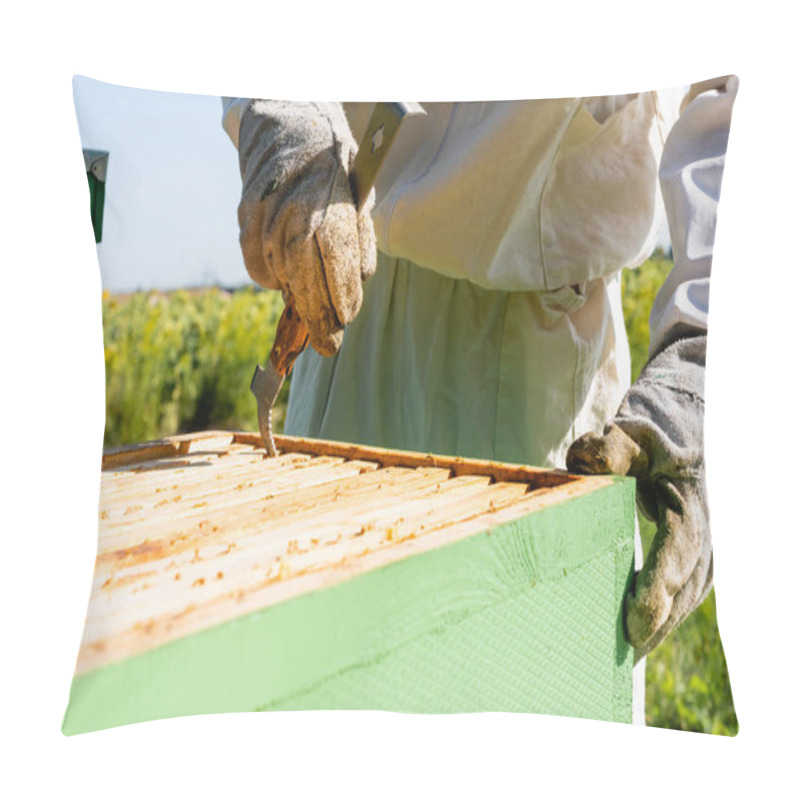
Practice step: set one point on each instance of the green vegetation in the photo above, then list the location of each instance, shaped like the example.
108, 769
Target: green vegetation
639, 287
183, 362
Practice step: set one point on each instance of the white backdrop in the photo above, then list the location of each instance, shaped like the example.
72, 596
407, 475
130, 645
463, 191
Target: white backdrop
53, 388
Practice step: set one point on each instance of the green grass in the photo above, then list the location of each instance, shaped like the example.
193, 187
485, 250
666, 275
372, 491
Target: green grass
183, 362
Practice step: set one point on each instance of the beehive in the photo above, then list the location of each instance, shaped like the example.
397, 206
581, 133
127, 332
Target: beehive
340, 576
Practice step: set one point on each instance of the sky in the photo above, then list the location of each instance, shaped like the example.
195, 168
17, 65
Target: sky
172, 187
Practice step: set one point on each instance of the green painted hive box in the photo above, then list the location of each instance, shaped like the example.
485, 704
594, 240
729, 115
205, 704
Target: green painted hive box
343, 577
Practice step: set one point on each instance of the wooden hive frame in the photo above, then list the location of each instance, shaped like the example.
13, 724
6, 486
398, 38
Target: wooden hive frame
342, 576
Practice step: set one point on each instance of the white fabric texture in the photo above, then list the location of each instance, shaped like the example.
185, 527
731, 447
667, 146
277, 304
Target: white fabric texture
691, 180
436, 364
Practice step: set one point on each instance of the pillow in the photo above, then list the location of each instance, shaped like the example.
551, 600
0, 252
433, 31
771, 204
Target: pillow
449, 523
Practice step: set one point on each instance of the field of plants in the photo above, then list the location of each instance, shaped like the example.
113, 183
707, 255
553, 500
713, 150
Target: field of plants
183, 361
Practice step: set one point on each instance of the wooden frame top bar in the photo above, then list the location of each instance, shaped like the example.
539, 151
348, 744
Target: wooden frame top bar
185, 444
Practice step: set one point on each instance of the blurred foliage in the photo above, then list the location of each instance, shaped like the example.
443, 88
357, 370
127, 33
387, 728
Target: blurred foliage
183, 361
639, 287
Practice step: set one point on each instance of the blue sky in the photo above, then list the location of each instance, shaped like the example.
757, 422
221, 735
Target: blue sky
172, 187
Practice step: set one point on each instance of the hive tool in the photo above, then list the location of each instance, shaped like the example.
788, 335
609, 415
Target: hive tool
291, 336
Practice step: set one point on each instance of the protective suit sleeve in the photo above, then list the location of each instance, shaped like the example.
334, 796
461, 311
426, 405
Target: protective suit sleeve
691, 178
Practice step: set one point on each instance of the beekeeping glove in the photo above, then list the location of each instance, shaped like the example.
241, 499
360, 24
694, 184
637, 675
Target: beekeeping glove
657, 436
299, 228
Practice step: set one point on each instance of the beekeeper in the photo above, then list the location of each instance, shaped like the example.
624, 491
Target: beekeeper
491, 325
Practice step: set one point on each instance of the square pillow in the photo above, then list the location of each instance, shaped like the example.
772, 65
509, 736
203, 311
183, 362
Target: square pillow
449, 523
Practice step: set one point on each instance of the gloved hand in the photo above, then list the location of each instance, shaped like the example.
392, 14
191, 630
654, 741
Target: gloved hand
657, 436
299, 228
